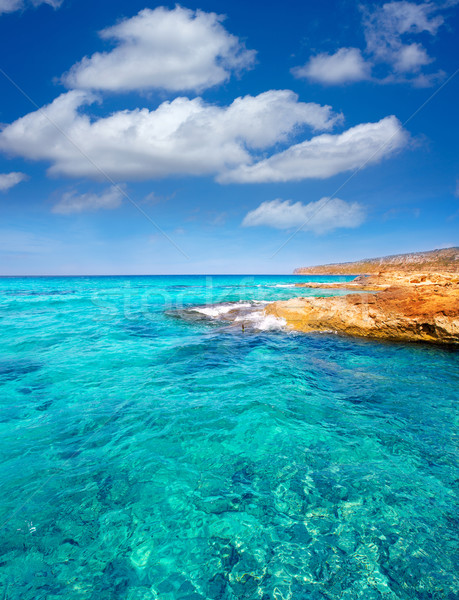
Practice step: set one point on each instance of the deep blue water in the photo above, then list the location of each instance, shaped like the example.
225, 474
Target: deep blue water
149, 450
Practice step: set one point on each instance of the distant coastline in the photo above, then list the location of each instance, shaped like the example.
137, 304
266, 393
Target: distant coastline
445, 260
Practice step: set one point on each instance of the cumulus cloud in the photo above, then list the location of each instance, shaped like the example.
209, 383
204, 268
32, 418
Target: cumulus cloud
322, 216
175, 50
8, 6
388, 31
182, 137
411, 58
346, 65
9, 180
72, 202
385, 26
326, 155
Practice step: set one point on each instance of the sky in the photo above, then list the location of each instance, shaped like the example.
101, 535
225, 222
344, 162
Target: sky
225, 137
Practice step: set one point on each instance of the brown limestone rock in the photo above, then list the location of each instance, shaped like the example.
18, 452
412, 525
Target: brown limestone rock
415, 307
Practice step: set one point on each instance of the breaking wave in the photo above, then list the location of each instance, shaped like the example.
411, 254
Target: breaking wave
249, 315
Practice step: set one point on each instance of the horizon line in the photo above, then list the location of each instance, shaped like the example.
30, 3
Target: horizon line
154, 275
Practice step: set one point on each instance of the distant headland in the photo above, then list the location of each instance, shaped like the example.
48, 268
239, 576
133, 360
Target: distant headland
445, 260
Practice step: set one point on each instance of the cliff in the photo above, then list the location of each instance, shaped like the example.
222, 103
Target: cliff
441, 261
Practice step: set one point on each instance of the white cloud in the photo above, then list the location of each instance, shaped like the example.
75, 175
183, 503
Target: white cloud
387, 27
175, 50
182, 137
388, 31
326, 155
53, 3
8, 6
346, 65
9, 180
388, 22
72, 202
411, 58
324, 215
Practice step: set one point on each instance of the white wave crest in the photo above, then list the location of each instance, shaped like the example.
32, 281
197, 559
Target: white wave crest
261, 321
218, 310
248, 314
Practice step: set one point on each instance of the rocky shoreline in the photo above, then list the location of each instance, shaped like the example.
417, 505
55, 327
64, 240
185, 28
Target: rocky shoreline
390, 305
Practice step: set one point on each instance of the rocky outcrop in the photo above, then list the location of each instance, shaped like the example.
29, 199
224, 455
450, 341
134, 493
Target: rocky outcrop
415, 307
445, 260
385, 280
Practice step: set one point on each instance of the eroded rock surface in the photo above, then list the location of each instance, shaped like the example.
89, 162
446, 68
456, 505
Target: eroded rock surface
420, 306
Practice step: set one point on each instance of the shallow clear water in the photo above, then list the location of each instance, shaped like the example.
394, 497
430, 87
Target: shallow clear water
144, 454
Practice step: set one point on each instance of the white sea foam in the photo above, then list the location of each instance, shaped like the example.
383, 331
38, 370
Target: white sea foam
250, 314
217, 310
261, 321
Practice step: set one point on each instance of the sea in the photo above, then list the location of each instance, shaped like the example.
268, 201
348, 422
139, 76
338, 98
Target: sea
151, 448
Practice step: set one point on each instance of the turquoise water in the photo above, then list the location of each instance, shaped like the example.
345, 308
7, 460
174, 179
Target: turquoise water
151, 450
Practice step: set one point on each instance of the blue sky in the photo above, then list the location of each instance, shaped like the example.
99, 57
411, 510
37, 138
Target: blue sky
224, 137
